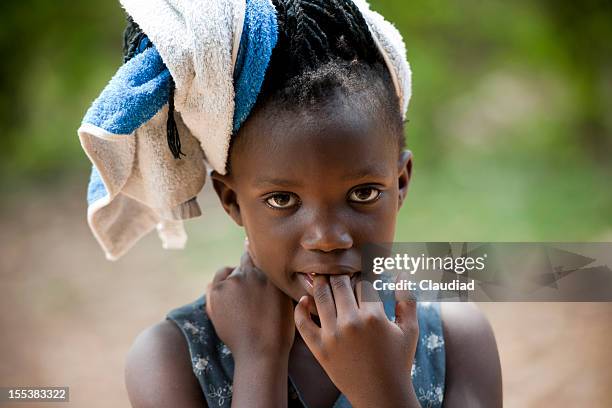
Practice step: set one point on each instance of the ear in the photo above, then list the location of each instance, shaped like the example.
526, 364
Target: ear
404, 174
227, 195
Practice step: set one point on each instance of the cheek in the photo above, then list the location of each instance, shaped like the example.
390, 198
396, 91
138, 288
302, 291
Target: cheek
270, 244
274, 238
271, 254
379, 224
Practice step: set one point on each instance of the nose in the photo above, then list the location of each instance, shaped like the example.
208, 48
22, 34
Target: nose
326, 233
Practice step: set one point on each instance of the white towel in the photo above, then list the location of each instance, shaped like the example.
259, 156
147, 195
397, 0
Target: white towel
391, 44
138, 185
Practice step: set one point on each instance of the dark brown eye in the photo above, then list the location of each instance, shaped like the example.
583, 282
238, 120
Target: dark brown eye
364, 195
281, 200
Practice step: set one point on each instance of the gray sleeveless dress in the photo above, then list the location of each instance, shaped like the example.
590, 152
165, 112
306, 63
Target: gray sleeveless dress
213, 364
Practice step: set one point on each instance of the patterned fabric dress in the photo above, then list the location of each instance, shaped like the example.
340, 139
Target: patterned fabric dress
213, 364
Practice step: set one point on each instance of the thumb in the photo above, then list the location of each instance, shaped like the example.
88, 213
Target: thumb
207, 307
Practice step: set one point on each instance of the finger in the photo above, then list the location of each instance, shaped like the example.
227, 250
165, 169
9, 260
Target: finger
346, 304
250, 269
368, 298
246, 261
222, 274
312, 307
248, 249
310, 332
403, 294
406, 316
207, 307
324, 301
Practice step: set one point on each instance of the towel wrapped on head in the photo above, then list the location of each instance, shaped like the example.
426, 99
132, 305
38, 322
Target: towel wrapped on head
204, 62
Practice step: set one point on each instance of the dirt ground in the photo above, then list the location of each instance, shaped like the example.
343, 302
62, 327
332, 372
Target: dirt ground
68, 316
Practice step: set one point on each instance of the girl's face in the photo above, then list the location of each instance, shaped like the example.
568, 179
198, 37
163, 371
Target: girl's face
312, 188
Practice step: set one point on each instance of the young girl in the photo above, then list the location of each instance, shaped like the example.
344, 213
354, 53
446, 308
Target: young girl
317, 170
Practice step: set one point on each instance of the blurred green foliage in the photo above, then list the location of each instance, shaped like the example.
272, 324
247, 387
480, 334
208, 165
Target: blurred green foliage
57, 56
510, 120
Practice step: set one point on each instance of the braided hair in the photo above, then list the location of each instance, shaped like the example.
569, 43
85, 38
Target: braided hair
132, 37
323, 46
312, 32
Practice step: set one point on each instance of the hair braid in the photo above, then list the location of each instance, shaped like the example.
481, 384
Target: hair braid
324, 45
132, 36
302, 39
313, 32
132, 40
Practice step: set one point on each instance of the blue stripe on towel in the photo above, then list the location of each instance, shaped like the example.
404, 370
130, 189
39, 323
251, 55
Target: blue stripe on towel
96, 189
259, 36
135, 94
139, 89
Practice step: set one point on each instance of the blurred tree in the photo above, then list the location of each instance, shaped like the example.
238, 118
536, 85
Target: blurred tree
56, 56
585, 29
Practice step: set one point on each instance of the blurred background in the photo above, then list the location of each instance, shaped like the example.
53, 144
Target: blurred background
510, 125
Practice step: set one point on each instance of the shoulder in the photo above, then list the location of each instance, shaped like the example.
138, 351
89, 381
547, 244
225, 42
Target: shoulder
473, 371
158, 370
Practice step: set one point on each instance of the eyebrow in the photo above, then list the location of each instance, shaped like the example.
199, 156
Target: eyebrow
275, 182
360, 174
373, 171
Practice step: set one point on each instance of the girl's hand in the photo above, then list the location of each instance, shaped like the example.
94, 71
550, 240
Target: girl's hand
368, 357
249, 313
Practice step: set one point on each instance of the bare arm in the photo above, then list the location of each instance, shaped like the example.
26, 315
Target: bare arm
260, 382
158, 372
473, 371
